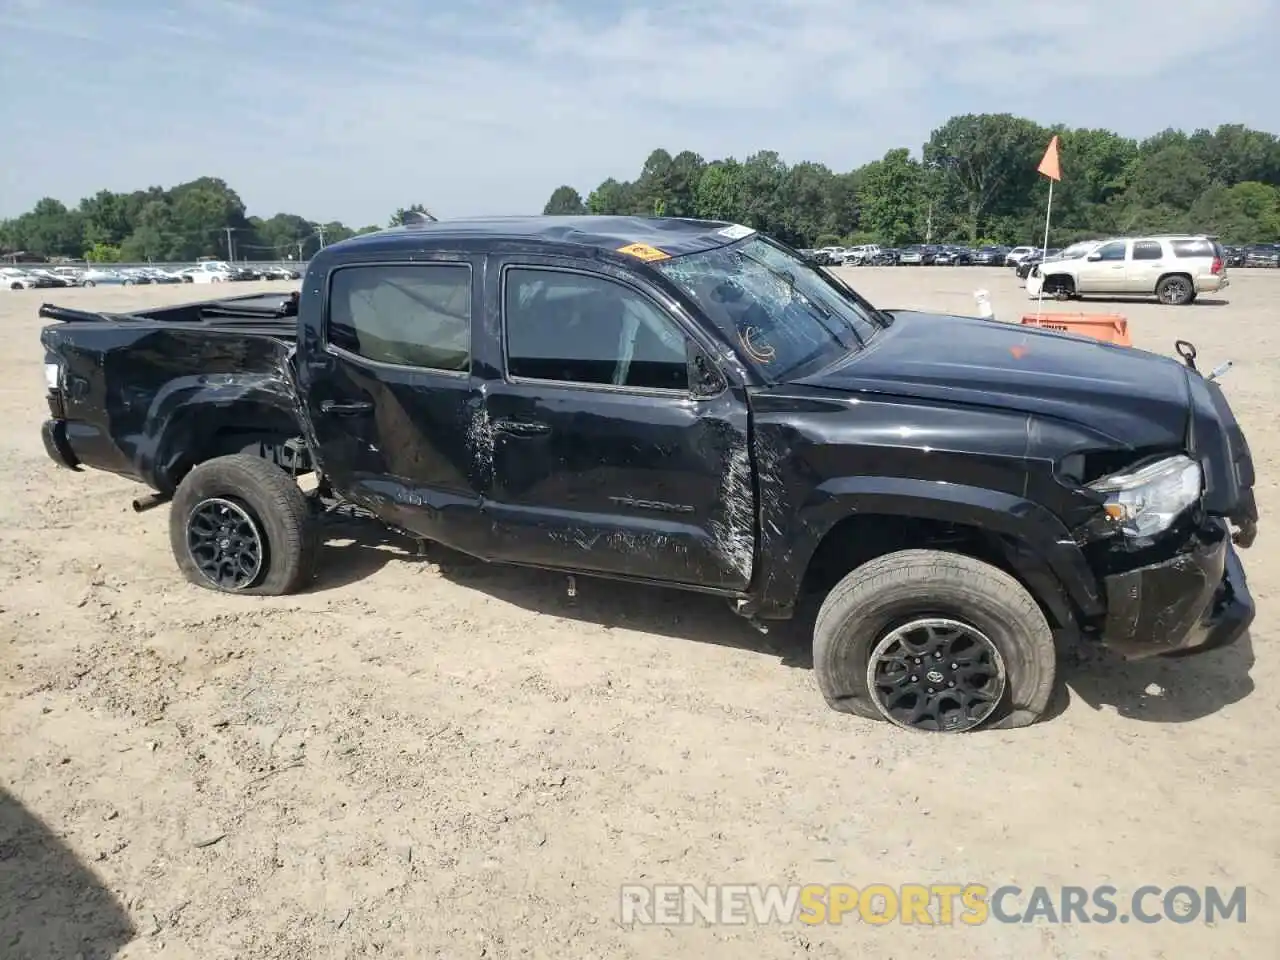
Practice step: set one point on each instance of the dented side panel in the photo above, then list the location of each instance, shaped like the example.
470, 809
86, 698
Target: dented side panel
651, 487
143, 399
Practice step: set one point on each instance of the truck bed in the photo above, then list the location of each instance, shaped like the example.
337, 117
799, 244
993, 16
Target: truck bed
139, 392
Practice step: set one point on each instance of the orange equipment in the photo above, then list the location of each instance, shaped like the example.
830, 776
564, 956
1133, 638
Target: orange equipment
1110, 328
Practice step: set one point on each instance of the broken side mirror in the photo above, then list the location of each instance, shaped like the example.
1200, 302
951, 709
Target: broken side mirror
705, 378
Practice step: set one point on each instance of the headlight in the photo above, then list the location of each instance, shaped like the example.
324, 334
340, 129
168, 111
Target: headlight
1147, 500
52, 375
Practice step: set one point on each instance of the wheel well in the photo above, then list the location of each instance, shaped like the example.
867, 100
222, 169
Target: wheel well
1173, 273
255, 429
1059, 281
858, 539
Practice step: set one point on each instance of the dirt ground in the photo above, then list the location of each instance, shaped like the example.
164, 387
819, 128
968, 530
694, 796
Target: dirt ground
437, 759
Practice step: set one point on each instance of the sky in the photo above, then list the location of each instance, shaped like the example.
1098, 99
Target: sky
348, 110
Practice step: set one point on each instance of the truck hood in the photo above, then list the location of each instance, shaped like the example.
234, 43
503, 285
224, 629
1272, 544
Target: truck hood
1135, 398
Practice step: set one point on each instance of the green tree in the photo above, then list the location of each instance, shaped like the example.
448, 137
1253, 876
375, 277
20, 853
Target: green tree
890, 197
405, 214
611, 198
993, 158
564, 201
718, 194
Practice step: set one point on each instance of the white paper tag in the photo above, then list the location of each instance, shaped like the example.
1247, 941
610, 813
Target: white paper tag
736, 232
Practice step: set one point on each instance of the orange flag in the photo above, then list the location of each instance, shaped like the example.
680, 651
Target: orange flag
1049, 165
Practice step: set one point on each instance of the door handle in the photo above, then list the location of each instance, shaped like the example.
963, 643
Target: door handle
350, 408
521, 428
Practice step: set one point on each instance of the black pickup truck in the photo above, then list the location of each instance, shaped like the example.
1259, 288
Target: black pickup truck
688, 403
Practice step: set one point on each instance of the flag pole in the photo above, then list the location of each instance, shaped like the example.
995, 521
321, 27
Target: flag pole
1044, 250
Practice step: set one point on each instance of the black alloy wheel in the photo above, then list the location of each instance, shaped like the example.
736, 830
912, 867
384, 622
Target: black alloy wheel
225, 543
936, 674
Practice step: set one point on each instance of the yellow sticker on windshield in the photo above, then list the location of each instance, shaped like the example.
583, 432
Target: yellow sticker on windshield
642, 251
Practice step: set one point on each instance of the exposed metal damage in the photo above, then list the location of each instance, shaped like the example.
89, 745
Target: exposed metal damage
735, 529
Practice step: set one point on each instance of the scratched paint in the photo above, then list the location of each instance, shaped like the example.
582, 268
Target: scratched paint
480, 440
735, 530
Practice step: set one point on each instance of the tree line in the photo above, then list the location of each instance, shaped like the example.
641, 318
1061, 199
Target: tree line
203, 217
975, 182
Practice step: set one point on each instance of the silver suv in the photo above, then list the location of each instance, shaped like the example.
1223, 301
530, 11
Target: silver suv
1173, 269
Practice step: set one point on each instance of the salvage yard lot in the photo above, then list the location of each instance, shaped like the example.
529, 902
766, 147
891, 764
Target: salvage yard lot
437, 758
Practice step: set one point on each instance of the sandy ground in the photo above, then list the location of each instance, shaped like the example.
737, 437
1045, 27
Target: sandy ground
433, 758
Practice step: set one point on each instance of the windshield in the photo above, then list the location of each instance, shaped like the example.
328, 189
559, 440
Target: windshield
784, 314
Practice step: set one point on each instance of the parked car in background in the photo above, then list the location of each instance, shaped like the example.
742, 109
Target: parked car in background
280, 272
14, 279
912, 256
1233, 256
1262, 255
210, 271
990, 256
887, 257
54, 280
949, 256
106, 277
73, 275
1175, 270
1015, 256
860, 255
1026, 264
159, 275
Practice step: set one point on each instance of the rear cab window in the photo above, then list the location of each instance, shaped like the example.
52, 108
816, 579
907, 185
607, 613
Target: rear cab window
415, 315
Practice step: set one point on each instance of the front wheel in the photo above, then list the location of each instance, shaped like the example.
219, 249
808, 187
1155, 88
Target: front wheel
934, 641
240, 524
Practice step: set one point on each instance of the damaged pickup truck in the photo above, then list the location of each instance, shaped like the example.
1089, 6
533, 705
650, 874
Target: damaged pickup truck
689, 404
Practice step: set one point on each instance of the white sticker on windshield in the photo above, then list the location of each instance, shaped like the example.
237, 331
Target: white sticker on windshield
736, 232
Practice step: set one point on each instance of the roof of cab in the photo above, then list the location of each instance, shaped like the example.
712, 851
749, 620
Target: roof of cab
672, 236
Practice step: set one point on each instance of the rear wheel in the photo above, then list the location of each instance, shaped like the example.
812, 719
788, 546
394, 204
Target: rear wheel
934, 641
240, 524
1176, 290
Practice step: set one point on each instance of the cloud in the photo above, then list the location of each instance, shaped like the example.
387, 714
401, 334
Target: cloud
350, 110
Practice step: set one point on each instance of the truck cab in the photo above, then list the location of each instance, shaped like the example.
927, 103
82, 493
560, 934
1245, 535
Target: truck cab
693, 405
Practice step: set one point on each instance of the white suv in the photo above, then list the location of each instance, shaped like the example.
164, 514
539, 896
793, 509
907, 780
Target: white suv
1017, 255
860, 254
1174, 270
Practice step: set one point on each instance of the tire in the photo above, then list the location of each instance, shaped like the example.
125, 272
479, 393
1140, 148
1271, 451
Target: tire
1059, 286
15, 286
867, 607
91, 283
263, 500
128, 283
1176, 290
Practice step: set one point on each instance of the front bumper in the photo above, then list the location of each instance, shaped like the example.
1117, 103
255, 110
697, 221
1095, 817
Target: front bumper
1199, 600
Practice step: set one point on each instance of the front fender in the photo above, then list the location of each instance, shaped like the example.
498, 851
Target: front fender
1031, 535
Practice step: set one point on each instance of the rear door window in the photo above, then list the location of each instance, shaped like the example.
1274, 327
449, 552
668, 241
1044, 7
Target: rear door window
416, 315
1147, 250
